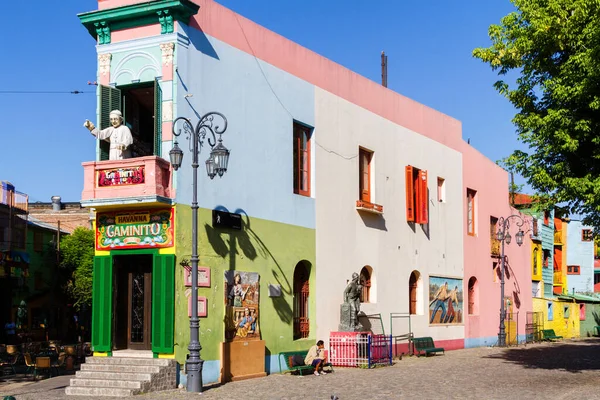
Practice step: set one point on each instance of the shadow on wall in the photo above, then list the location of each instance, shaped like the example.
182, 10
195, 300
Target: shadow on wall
199, 40
571, 357
373, 221
251, 246
508, 274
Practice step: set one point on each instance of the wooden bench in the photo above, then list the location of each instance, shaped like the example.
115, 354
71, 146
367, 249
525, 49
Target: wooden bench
426, 345
548, 334
299, 369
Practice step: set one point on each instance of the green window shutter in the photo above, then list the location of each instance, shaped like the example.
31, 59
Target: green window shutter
157, 118
110, 99
102, 295
163, 303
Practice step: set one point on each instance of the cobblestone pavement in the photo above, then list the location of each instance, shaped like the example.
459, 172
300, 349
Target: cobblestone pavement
565, 370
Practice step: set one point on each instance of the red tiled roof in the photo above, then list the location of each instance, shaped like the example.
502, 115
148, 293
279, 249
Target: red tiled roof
521, 198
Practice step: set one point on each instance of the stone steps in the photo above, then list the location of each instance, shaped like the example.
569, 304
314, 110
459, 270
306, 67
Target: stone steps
99, 391
121, 384
120, 377
113, 375
148, 369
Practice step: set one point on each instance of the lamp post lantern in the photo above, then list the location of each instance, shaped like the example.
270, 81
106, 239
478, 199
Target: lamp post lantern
209, 125
504, 236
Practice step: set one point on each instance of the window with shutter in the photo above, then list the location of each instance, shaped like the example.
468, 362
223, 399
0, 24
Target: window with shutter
410, 195
417, 195
157, 118
365, 281
472, 296
364, 159
471, 212
301, 301
110, 99
412, 292
301, 161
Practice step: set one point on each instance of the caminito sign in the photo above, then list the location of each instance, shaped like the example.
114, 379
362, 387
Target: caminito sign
134, 229
121, 176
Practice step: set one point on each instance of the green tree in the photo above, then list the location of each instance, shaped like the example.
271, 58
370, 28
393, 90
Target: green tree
77, 257
547, 54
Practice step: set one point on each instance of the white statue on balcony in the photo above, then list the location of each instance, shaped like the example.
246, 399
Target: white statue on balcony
118, 135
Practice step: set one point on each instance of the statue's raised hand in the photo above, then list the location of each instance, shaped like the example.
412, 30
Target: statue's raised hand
88, 124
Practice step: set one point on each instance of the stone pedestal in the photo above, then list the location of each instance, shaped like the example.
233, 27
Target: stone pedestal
348, 323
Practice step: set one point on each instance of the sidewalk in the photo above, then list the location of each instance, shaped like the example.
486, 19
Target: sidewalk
563, 370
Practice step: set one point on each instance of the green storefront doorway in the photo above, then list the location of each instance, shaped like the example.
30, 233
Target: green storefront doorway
132, 302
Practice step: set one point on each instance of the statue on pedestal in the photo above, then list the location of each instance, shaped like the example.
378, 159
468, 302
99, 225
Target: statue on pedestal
350, 309
118, 135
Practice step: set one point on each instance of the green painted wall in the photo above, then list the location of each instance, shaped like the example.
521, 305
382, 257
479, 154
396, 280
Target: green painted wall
587, 326
272, 250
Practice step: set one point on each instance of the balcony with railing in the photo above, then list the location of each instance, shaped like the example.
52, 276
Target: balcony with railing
558, 278
558, 238
141, 180
17, 201
495, 248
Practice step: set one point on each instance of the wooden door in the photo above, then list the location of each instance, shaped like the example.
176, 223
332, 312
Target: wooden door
139, 308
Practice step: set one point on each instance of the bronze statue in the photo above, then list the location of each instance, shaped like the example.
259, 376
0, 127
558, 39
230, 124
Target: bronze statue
351, 306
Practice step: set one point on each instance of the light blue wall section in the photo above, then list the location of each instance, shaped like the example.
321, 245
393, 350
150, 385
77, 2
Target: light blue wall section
260, 102
548, 244
580, 253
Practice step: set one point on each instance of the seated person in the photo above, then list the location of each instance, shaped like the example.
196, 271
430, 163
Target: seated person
316, 357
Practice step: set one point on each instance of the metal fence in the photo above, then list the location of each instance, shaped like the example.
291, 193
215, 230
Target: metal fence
401, 330
512, 329
534, 324
360, 350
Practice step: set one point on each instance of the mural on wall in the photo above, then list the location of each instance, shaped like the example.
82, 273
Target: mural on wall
241, 306
445, 300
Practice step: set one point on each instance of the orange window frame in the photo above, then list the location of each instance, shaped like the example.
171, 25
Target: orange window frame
302, 164
364, 174
587, 235
573, 270
471, 212
417, 195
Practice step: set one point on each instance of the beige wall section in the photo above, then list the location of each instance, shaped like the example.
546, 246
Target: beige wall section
347, 239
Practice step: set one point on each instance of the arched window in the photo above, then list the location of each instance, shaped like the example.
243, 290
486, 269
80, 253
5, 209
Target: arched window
413, 292
535, 261
365, 281
473, 296
301, 303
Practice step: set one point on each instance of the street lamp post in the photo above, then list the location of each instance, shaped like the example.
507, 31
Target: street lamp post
503, 235
210, 124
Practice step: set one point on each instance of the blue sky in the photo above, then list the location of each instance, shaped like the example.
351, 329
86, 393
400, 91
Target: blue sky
428, 43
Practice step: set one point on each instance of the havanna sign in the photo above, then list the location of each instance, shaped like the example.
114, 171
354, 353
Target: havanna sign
134, 229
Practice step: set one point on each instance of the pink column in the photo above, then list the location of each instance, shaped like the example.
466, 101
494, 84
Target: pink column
104, 68
167, 50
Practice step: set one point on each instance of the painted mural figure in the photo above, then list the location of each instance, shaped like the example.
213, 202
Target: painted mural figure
237, 293
118, 135
439, 299
452, 299
352, 297
246, 325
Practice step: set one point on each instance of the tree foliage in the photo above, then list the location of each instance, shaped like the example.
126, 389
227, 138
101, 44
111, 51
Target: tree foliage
77, 256
553, 46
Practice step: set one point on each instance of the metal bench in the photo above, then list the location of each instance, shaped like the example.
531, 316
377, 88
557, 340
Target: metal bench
548, 334
426, 345
299, 369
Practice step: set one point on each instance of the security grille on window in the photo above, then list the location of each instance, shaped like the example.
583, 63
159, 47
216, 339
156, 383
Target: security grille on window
587, 235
